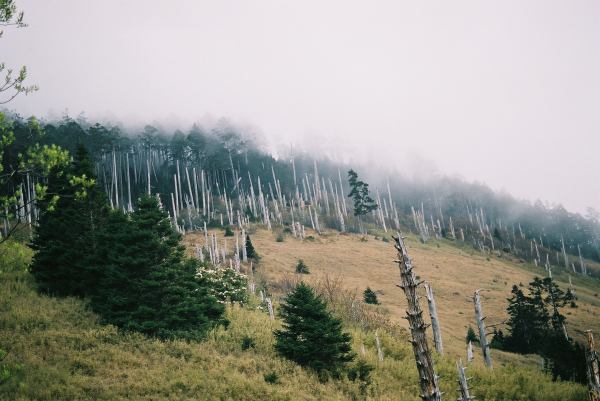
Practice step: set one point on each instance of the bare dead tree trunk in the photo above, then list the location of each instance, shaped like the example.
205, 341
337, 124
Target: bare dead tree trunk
470, 352
378, 344
270, 308
463, 383
428, 380
593, 371
435, 323
485, 348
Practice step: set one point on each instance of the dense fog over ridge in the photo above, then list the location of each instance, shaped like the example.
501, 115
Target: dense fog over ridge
504, 94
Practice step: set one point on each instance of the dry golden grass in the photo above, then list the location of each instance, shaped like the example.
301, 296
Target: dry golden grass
454, 272
57, 350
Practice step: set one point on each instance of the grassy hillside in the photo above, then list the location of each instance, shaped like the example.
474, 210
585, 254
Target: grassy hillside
454, 272
57, 350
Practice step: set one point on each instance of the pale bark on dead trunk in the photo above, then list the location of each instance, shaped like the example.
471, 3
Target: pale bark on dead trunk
593, 370
428, 380
435, 323
485, 348
378, 345
463, 383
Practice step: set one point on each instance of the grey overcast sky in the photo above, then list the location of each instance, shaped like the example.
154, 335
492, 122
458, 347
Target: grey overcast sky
505, 92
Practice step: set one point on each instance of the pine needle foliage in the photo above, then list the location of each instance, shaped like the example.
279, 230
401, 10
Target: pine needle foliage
471, 336
250, 251
311, 336
66, 239
148, 285
359, 192
370, 297
301, 267
536, 325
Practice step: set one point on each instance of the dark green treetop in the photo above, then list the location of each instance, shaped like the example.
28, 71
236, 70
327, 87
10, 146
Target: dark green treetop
310, 335
359, 192
370, 297
66, 239
148, 284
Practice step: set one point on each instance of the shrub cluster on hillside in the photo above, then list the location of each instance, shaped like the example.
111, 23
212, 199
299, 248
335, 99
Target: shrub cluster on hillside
370, 297
535, 325
312, 337
131, 266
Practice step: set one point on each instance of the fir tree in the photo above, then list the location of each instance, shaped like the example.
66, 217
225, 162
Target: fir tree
250, 251
370, 297
65, 240
301, 267
527, 323
497, 339
359, 192
471, 336
229, 232
549, 298
311, 336
536, 326
148, 285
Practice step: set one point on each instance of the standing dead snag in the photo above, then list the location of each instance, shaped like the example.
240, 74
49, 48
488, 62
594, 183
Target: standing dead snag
463, 383
428, 379
470, 352
593, 370
435, 323
378, 344
485, 347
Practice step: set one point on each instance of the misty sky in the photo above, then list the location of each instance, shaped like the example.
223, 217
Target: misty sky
504, 92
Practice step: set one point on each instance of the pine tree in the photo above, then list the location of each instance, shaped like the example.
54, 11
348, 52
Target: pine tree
471, 336
66, 239
311, 336
527, 323
148, 285
536, 326
250, 251
359, 192
547, 295
301, 267
497, 339
370, 297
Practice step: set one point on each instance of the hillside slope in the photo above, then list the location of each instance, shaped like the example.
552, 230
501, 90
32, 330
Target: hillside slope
454, 273
57, 350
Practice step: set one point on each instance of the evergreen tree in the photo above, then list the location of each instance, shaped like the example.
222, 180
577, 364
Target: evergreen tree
497, 340
311, 336
536, 326
229, 232
527, 324
148, 285
549, 298
370, 297
301, 267
66, 239
250, 251
471, 336
359, 192
564, 359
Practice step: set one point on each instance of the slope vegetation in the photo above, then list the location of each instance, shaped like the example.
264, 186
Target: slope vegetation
57, 350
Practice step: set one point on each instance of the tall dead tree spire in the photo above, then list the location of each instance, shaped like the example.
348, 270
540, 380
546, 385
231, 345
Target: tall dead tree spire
485, 347
593, 370
463, 383
435, 322
428, 380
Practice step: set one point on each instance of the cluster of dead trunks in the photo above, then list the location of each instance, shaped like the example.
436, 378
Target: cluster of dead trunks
428, 379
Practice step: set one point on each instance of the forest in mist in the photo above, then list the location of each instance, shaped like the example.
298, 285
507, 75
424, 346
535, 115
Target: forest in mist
231, 165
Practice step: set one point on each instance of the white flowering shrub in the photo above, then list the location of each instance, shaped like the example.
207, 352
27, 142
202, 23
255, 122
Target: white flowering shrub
226, 284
